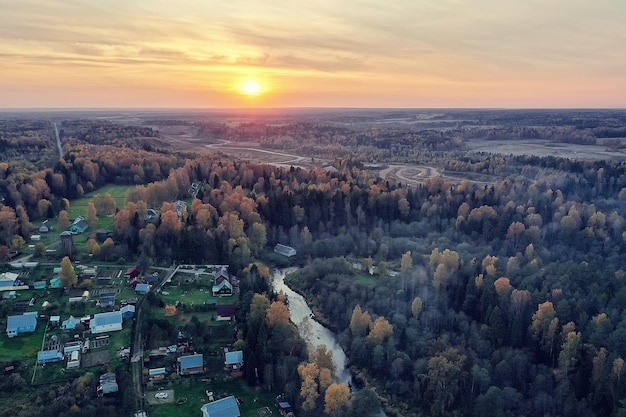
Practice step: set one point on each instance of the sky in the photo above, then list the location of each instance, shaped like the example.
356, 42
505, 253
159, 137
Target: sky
322, 53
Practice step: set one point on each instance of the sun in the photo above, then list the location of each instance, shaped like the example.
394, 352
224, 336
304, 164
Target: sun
251, 88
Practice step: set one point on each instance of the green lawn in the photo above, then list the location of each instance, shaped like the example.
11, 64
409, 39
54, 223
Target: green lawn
195, 392
23, 346
366, 278
190, 294
78, 207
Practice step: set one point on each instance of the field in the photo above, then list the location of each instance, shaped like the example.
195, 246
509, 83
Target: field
24, 346
194, 391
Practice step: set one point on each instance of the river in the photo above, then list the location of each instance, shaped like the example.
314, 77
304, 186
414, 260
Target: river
316, 334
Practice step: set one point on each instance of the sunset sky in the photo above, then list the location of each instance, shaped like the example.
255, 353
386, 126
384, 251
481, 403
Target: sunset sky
323, 53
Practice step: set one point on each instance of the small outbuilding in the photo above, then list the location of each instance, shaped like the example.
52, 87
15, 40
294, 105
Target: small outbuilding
225, 312
142, 288
128, 311
47, 356
234, 362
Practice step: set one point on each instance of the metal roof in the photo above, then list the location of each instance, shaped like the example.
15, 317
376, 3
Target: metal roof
226, 407
104, 319
234, 357
191, 361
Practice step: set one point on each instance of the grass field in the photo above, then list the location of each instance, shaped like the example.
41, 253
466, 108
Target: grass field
366, 278
24, 346
195, 392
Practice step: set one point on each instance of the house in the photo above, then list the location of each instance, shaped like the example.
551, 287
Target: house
151, 279
106, 322
142, 288
132, 272
106, 300
74, 346
69, 324
224, 288
55, 282
225, 312
47, 356
221, 275
191, 364
234, 362
8, 280
287, 251
35, 238
80, 225
135, 281
74, 360
226, 407
55, 321
23, 323
45, 227
128, 311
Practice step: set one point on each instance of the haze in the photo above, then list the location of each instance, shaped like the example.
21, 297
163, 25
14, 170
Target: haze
405, 53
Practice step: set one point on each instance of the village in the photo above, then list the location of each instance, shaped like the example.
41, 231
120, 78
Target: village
69, 332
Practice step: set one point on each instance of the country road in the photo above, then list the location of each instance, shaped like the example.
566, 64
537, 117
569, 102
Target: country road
56, 133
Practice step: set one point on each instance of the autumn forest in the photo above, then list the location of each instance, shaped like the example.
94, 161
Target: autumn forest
497, 288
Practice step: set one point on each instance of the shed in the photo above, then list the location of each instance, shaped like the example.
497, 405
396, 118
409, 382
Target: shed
191, 364
39, 285
23, 323
74, 360
47, 356
106, 322
284, 250
156, 374
55, 320
35, 238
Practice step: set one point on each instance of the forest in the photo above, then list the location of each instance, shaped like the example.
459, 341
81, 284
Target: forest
449, 297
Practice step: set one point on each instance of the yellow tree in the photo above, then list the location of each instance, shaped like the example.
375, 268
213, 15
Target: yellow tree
544, 326
63, 221
337, 400
323, 358
381, 330
407, 261
92, 247
416, 307
67, 274
277, 313
90, 217
309, 388
360, 322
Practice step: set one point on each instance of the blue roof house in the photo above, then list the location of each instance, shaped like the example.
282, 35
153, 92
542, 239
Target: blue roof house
191, 364
69, 324
47, 356
55, 282
21, 324
128, 311
226, 407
